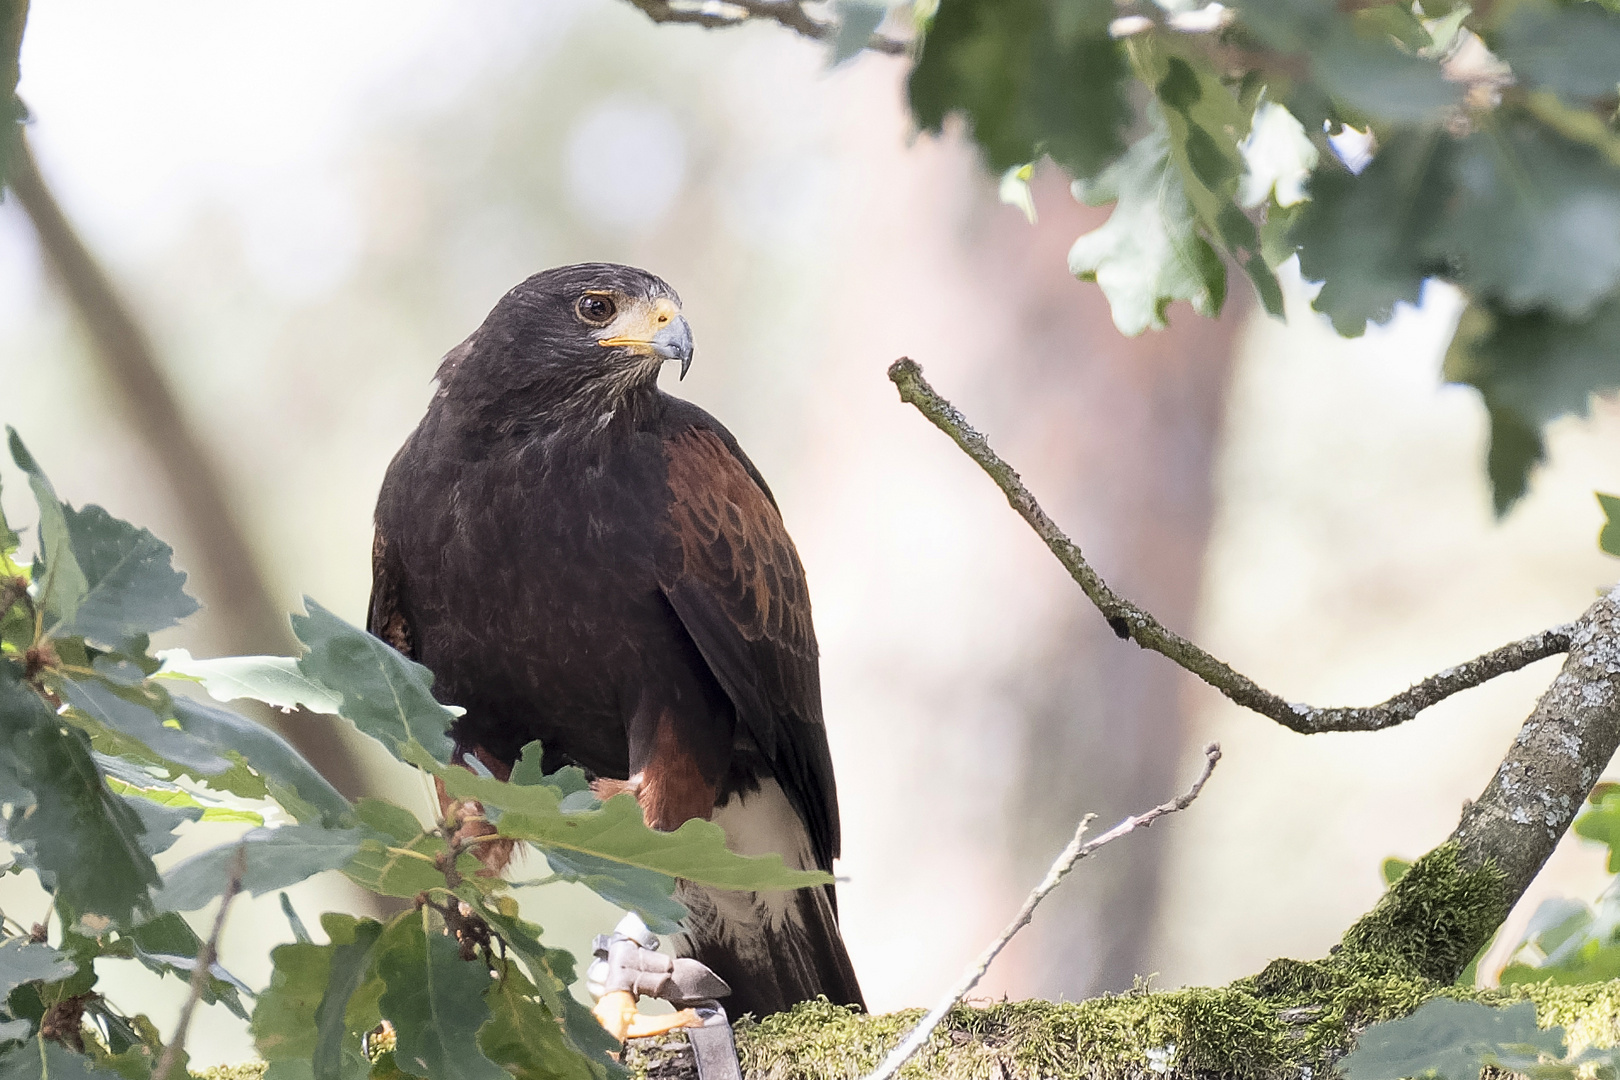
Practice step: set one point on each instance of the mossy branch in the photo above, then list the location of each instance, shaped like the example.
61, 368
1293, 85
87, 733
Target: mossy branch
1130, 621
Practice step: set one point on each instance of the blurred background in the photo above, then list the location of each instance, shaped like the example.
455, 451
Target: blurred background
308, 204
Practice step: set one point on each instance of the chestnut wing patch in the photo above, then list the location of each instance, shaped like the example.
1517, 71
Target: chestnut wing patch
736, 582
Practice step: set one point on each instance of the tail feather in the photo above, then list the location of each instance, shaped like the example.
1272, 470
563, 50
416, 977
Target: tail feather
775, 949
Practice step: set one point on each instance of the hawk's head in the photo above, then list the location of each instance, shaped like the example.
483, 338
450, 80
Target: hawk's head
585, 335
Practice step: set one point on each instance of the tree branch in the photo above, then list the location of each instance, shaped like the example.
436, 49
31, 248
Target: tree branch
207, 956
789, 13
1557, 757
1073, 853
1130, 621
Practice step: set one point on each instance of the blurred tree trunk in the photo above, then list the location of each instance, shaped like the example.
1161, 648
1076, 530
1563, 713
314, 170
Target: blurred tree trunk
1120, 434
228, 576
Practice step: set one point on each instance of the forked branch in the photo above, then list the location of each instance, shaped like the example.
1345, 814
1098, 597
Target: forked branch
788, 13
1073, 853
1130, 621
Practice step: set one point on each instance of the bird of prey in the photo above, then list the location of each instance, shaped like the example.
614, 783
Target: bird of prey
583, 559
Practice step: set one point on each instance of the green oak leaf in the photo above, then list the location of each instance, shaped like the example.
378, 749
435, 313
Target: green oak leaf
275, 858
274, 680
1531, 368
132, 586
1533, 218
1373, 78
174, 797
337, 1042
550, 970
1600, 820
398, 857
616, 830
383, 694
306, 987
9, 540
1030, 76
159, 822
1566, 943
1572, 50
167, 945
129, 717
1206, 123
24, 961
647, 893
291, 780
41, 1059
1365, 236
1450, 1039
525, 1038
1395, 21
1148, 253
63, 586
105, 579
435, 1000
1609, 537
294, 923
83, 840
1354, 61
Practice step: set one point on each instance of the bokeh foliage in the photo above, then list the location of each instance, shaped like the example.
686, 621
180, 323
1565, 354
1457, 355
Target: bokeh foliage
106, 750
1494, 165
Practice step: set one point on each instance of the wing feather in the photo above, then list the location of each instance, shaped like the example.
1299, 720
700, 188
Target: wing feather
737, 584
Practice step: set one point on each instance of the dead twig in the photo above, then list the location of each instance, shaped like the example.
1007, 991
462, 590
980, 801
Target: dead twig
1073, 853
1130, 621
207, 956
789, 13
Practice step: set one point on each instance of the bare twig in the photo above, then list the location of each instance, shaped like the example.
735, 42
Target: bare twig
207, 956
1073, 853
1130, 621
788, 13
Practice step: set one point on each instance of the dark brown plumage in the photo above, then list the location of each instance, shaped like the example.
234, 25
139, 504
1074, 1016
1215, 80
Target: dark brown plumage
582, 559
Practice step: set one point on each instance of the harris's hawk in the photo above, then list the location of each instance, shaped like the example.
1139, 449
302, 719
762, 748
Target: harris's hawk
583, 559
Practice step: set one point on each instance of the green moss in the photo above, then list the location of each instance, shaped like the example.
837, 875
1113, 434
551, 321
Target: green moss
1431, 922
251, 1070
1589, 1013
1294, 1014
1291, 1016
1233, 1031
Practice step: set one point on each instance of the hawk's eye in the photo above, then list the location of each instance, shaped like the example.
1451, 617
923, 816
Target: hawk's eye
596, 309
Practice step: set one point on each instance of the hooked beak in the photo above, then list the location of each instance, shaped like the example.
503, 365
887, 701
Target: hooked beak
674, 342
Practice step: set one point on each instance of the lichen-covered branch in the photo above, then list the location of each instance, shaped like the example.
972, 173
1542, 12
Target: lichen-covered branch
1558, 755
1076, 850
724, 13
1130, 621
